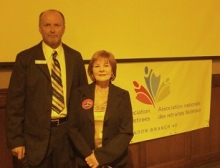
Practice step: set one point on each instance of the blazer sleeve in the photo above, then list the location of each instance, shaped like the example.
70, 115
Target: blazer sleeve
15, 105
117, 146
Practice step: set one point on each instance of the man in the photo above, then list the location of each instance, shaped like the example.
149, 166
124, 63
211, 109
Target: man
36, 129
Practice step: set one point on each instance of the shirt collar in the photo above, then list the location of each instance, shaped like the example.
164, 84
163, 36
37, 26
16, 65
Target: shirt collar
48, 50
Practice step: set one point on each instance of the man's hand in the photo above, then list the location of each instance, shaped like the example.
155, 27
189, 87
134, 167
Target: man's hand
19, 152
92, 161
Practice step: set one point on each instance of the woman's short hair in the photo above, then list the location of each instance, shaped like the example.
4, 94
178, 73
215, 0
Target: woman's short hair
102, 54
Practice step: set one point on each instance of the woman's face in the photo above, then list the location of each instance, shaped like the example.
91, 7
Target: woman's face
102, 70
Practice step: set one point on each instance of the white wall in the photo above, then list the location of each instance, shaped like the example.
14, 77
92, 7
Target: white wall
127, 28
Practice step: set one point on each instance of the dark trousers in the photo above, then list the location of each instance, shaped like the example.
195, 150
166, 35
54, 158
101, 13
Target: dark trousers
59, 153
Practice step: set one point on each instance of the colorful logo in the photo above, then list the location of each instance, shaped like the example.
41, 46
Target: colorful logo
155, 89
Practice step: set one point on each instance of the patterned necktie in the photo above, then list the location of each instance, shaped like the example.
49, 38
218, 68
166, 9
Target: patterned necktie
57, 97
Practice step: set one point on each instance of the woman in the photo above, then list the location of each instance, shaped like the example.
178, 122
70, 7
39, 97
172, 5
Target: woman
100, 119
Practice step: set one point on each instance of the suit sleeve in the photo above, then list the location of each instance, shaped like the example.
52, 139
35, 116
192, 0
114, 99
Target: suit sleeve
118, 145
83, 77
15, 106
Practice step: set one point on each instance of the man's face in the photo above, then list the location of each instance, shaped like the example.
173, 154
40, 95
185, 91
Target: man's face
52, 27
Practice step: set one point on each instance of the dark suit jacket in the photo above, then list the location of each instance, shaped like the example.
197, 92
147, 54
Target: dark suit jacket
117, 127
28, 107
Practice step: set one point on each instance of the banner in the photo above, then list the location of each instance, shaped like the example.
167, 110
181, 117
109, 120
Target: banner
168, 98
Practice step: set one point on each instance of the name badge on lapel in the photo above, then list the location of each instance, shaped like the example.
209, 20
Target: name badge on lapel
40, 62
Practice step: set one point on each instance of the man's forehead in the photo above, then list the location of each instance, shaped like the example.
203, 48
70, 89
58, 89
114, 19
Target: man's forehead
53, 18
51, 14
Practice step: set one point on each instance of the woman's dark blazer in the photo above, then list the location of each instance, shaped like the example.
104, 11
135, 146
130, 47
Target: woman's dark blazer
117, 126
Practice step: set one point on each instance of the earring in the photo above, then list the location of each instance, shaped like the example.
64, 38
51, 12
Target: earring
92, 77
112, 77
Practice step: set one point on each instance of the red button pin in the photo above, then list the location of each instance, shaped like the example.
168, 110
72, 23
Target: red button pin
87, 104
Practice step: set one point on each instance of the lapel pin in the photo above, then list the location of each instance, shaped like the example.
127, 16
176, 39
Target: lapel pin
87, 104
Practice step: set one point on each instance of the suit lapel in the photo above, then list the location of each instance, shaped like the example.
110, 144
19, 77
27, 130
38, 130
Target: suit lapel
89, 94
39, 55
69, 70
113, 101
